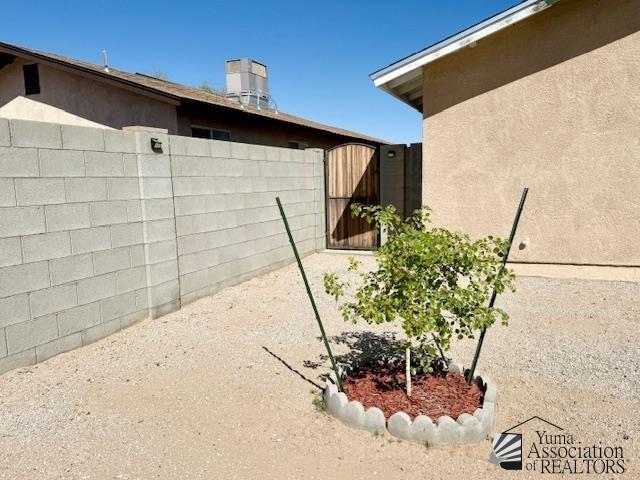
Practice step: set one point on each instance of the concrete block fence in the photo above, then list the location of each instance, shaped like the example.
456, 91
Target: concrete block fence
98, 231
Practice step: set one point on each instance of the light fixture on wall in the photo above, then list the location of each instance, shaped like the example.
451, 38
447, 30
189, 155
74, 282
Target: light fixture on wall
391, 154
156, 145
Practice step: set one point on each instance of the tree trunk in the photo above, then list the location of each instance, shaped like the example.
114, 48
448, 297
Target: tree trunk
407, 357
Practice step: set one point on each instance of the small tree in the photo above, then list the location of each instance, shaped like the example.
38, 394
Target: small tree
434, 282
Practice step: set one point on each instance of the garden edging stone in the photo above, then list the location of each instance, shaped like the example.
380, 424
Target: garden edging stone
444, 431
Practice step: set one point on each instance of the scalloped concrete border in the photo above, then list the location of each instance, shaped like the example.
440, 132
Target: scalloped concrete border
445, 430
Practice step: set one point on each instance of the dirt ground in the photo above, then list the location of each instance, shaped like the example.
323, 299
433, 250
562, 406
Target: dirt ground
224, 389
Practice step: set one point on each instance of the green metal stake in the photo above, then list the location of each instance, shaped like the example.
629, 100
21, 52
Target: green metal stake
313, 303
495, 294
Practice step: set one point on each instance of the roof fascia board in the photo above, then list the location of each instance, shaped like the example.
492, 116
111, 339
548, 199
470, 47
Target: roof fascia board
460, 40
90, 73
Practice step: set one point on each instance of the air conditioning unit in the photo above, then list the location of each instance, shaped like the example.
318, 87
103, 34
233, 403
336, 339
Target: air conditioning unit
247, 82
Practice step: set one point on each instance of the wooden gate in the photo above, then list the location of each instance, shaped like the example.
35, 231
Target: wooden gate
352, 177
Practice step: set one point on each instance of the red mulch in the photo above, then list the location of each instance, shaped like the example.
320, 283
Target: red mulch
432, 395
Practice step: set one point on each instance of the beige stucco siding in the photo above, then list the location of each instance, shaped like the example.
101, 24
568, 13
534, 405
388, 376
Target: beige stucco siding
550, 103
90, 99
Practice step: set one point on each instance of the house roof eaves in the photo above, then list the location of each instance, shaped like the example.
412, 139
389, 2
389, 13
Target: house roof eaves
393, 76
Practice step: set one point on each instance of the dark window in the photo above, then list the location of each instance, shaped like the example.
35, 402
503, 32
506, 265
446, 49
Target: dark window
31, 79
220, 135
298, 145
210, 133
200, 132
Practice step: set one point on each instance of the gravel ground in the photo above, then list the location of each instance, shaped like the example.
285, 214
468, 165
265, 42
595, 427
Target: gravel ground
223, 389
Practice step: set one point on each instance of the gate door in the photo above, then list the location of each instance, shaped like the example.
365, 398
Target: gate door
352, 177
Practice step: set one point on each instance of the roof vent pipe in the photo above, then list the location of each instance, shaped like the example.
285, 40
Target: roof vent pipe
105, 61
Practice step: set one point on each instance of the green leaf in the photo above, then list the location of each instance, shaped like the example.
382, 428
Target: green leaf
431, 282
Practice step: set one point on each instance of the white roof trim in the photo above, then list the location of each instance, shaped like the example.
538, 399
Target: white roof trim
456, 42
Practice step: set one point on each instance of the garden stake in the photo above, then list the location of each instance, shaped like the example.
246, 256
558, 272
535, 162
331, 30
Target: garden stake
313, 303
494, 294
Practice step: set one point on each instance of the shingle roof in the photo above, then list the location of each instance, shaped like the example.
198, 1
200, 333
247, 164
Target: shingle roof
179, 92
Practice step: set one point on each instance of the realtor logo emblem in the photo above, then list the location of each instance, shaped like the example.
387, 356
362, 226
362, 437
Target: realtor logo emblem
507, 451
554, 450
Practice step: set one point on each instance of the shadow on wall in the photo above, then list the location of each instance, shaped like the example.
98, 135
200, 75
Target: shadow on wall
564, 31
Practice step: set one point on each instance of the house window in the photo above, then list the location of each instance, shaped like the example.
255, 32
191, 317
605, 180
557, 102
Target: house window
200, 132
211, 133
31, 79
220, 135
298, 145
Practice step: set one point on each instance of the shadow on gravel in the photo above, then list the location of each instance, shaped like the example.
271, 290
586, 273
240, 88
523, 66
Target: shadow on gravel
364, 348
289, 367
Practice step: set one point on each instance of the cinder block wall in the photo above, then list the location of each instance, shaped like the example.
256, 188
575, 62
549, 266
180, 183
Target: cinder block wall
228, 226
97, 231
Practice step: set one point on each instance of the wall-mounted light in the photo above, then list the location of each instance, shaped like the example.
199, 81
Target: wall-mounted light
391, 154
156, 145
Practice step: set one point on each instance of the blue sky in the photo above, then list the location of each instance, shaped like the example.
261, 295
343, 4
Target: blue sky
319, 54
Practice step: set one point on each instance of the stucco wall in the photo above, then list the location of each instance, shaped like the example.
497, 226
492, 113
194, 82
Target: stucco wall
97, 231
90, 99
550, 103
25, 108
